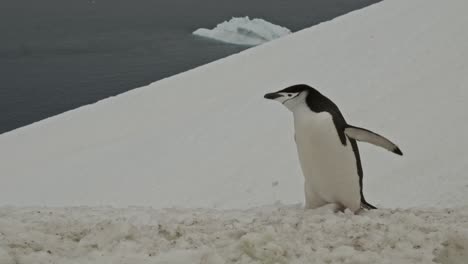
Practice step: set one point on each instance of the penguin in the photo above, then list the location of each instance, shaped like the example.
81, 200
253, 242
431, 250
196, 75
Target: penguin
327, 149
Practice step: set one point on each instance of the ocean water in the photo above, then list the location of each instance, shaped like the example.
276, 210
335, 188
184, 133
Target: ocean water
57, 55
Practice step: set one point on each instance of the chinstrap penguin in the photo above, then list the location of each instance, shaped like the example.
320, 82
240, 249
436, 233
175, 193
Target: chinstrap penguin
327, 148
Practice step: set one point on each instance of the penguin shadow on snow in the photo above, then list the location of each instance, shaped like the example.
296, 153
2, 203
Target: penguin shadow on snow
328, 151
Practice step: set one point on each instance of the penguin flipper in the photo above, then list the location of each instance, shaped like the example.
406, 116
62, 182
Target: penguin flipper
361, 134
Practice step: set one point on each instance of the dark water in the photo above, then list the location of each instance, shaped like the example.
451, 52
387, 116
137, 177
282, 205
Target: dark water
56, 55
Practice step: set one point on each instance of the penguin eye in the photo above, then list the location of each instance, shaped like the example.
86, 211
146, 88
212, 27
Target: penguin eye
289, 95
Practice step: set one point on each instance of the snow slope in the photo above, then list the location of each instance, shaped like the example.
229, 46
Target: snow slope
286, 235
244, 31
207, 138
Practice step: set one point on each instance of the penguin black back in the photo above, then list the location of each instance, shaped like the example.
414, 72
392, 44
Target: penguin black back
318, 103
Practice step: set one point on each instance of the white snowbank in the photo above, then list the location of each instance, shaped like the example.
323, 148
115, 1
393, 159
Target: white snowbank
208, 138
273, 234
243, 31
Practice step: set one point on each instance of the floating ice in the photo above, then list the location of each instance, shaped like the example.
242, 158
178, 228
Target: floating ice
243, 31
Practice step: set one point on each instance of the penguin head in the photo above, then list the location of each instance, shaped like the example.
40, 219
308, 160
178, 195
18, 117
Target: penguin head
292, 96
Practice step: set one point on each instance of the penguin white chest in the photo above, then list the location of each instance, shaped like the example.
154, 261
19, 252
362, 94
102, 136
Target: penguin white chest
329, 167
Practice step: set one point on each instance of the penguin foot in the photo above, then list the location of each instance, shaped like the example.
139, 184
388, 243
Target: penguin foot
328, 208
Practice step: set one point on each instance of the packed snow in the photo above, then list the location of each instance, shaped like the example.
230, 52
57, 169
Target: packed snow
270, 234
207, 139
244, 31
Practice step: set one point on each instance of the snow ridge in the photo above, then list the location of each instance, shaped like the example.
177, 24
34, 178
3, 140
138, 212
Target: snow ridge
269, 234
244, 31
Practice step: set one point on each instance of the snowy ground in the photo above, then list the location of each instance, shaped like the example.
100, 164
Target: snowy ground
244, 31
208, 138
274, 234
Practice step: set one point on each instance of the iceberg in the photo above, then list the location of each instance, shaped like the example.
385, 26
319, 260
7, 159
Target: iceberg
244, 31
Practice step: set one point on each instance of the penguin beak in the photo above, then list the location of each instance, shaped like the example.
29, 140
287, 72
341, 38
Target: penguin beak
272, 96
